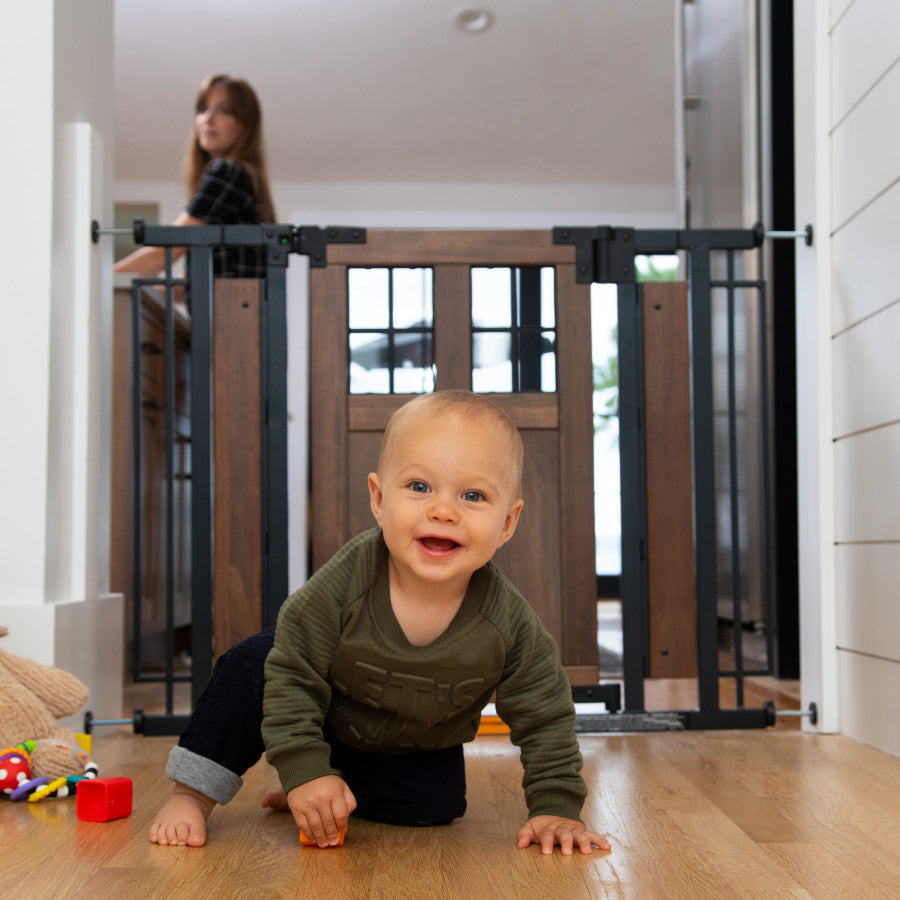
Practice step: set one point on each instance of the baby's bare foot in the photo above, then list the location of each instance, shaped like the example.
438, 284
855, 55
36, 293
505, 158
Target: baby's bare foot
274, 800
182, 819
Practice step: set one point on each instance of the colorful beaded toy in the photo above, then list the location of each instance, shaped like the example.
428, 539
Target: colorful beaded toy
16, 769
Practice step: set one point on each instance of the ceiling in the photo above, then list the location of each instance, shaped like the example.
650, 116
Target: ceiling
554, 92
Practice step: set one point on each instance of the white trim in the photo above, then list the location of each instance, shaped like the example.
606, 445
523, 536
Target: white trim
815, 477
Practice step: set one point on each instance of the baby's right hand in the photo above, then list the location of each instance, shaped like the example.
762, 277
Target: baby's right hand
321, 808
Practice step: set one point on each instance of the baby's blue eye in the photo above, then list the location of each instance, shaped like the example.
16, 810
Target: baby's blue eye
473, 496
419, 487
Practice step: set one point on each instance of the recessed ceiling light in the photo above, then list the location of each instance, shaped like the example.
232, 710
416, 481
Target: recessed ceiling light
473, 19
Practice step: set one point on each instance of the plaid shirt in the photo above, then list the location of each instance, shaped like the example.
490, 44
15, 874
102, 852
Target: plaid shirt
225, 197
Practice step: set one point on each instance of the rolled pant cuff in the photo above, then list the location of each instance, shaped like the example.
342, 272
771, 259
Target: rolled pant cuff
202, 774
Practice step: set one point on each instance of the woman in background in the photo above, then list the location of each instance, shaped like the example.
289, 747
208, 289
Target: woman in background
227, 180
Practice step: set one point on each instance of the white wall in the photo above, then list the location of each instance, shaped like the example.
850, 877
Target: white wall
26, 46
442, 205
858, 282
54, 389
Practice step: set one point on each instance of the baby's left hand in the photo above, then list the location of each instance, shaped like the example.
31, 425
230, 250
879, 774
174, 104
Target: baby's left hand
551, 830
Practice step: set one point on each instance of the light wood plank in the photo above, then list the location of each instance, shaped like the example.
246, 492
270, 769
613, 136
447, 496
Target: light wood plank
671, 595
385, 247
237, 448
689, 814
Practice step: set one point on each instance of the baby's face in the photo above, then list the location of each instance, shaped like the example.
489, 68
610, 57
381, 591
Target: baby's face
446, 497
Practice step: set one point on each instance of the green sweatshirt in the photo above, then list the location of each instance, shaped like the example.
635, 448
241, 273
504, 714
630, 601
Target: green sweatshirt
341, 657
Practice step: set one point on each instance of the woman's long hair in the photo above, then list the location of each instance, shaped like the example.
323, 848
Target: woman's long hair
248, 149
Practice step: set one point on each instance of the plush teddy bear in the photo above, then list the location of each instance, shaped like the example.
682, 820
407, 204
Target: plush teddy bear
32, 698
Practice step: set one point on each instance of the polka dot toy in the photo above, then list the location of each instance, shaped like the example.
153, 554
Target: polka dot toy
15, 769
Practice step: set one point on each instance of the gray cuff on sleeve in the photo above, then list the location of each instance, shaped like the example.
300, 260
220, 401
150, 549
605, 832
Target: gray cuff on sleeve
203, 775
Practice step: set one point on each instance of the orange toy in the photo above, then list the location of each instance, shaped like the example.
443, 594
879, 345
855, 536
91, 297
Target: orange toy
306, 842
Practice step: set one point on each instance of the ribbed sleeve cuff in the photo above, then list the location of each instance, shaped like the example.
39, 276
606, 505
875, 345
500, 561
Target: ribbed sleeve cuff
295, 769
555, 804
202, 774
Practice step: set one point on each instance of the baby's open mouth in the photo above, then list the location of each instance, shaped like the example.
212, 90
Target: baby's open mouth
437, 544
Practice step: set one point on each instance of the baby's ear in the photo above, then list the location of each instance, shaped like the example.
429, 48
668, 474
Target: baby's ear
376, 497
512, 520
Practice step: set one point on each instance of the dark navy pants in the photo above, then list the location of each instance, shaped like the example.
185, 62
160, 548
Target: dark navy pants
425, 787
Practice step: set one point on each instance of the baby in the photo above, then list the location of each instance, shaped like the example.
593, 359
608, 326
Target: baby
379, 667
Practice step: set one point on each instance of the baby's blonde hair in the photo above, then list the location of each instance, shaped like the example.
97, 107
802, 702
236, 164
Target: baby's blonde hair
467, 405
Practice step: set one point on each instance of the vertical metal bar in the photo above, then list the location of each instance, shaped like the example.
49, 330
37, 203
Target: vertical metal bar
170, 487
734, 494
274, 442
530, 335
201, 287
391, 334
515, 361
768, 529
704, 480
137, 480
633, 496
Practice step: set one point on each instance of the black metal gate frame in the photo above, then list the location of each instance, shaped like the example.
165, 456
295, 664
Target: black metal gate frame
277, 242
603, 255
606, 255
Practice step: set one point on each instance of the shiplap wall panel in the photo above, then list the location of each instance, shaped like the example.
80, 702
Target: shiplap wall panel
838, 9
864, 145
868, 614
867, 486
865, 279
870, 701
870, 23
863, 190
866, 360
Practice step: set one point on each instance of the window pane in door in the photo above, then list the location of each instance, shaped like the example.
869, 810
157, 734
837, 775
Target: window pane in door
491, 297
390, 336
369, 372
513, 329
412, 298
491, 363
369, 298
413, 370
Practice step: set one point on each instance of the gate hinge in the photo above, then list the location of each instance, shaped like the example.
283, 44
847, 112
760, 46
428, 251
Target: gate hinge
603, 255
311, 241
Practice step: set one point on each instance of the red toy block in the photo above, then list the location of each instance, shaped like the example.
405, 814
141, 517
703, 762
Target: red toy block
103, 799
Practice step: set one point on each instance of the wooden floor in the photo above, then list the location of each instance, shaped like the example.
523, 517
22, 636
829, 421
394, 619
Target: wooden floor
689, 814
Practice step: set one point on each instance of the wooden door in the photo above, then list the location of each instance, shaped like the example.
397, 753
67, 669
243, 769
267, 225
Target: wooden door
551, 557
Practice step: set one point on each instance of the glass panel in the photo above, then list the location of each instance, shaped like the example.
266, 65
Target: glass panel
369, 373
414, 372
491, 364
548, 297
368, 298
548, 363
412, 298
491, 298
656, 268
607, 487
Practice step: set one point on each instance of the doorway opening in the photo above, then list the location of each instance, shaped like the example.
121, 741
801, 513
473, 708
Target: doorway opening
607, 483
